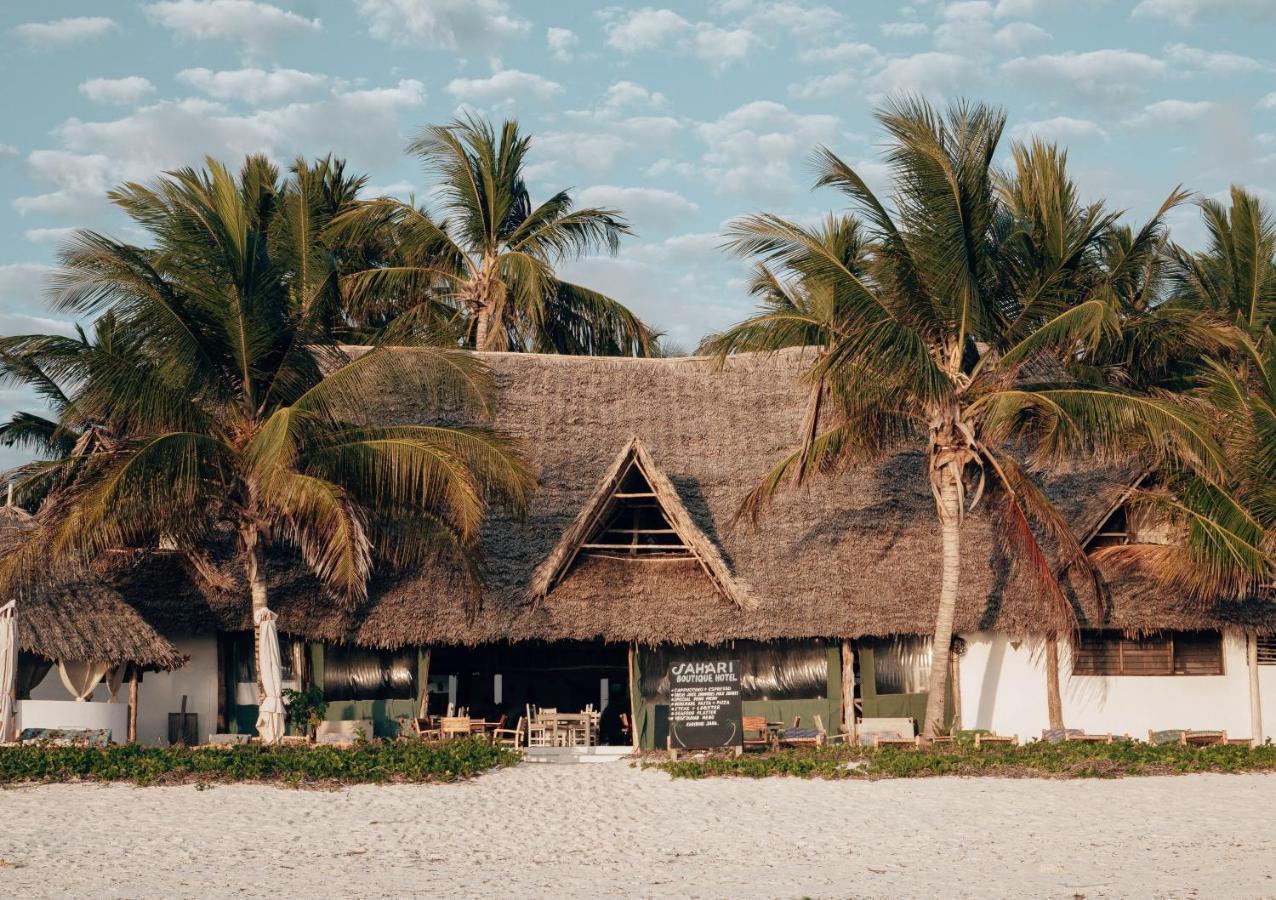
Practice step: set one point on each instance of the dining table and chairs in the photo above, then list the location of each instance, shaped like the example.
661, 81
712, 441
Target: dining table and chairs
540, 727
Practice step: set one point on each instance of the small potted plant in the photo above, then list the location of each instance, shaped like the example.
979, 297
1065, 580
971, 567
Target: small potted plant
305, 709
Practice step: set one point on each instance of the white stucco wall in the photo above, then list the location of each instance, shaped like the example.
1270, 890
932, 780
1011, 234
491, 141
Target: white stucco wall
160, 693
1004, 689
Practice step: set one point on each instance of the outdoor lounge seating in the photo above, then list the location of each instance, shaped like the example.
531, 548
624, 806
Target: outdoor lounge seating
1187, 738
992, 740
756, 731
797, 736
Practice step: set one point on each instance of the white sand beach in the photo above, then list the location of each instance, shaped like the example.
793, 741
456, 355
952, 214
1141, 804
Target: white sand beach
612, 831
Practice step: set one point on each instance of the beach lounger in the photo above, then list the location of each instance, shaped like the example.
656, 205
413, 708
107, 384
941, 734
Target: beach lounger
913, 743
797, 736
841, 736
1187, 738
983, 740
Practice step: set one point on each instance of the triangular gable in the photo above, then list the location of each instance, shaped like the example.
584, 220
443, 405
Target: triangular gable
601, 527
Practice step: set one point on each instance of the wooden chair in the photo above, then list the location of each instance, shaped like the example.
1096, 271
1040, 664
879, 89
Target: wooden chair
756, 731
537, 734
421, 729
510, 737
454, 727
829, 738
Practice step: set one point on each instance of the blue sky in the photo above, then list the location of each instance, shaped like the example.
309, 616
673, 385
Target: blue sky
683, 116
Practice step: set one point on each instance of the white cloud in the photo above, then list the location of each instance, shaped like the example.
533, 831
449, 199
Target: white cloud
804, 23
362, 126
752, 149
561, 43
647, 208
1213, 62
1186, 12
1268, 102
931, 74
252, 85
22, 288
1172, 112
74, 176
969, 28
646, 29
650, 29
1109, 77
64, 31
503, 86
821, 86
1061, 129
574, 152
253, 25
451, 24
48, 235
627, 95
904, 29
116, 90
8, 150
847, 52
400, 189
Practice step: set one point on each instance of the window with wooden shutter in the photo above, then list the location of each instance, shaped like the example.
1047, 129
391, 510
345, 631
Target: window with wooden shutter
1267, 649
1168, 653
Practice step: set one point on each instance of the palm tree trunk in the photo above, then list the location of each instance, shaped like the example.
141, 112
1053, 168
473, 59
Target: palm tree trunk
950, 525
483, 328
1054, 702
257, 589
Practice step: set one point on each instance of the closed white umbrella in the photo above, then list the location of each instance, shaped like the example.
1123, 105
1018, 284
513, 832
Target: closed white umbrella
8, 670
270, 719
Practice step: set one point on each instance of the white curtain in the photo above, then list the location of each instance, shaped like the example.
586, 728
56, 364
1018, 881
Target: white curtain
114, 679
270, 719
80, 677
8, 670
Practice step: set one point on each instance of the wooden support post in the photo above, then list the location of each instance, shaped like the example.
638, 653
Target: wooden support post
633, 699
954, 684
424, 707
848, 691
132, 704
1054, 700
1255, 699
223, 684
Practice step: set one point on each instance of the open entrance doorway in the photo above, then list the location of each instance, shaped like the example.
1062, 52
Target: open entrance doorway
490, 680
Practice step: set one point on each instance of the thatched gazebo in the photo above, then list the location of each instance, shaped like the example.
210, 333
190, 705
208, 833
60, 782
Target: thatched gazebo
74, 617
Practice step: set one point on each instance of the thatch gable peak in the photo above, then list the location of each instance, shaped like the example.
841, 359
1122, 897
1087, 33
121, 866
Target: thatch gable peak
634, 479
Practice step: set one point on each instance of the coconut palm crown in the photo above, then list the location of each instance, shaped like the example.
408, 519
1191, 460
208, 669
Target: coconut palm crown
487, 255
233, 413
952, 332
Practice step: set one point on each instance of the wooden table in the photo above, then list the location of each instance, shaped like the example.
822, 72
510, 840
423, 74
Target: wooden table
554, 720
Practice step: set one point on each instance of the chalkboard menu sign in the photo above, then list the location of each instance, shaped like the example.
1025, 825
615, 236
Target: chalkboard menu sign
704, 704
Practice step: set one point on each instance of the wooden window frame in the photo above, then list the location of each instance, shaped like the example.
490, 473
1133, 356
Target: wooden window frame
1093, 666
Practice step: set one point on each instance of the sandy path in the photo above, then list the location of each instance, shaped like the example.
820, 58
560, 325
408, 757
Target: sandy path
609, 830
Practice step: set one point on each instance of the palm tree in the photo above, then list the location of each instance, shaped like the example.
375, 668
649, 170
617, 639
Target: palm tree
1226, 528
234, 411
487, 255
949, 341
1236, 274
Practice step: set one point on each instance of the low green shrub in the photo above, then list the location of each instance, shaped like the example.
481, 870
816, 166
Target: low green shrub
374, 762
1034, 760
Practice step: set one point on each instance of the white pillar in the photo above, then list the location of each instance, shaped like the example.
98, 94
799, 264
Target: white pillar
1255, 699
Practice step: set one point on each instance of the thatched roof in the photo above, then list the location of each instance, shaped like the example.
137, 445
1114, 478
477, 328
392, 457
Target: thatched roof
76, 616
847, 556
